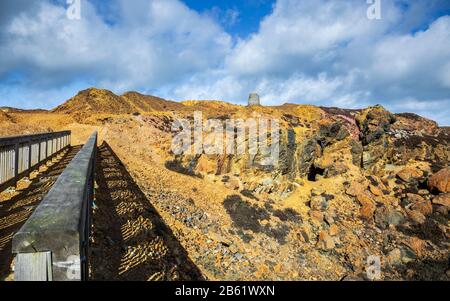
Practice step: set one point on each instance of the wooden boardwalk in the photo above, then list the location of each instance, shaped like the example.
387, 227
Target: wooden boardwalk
15, 208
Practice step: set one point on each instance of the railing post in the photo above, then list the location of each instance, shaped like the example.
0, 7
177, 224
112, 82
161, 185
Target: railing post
39, 153
30, 157
16, 161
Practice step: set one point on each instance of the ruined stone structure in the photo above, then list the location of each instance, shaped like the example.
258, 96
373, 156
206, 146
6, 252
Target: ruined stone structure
253, 100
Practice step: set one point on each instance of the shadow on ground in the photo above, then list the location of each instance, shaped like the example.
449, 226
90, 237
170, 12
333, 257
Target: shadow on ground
15, 212
130, 240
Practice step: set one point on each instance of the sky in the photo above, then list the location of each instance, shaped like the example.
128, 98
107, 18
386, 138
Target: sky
318, 52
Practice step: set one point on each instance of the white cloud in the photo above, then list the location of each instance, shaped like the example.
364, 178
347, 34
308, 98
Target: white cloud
306, 51
329, 53
161, 41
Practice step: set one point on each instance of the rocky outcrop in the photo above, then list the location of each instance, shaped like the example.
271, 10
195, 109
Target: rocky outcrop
374, 124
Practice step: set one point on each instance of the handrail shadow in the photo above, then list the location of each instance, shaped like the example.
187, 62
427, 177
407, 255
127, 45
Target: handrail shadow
130, 240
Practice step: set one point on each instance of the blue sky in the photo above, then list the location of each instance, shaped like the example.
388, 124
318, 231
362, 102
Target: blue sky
300, 51
239, 17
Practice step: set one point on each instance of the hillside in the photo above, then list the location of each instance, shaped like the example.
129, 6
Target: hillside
97, 101
348, 184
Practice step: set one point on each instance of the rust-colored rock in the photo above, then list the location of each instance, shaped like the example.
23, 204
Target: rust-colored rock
409, 173
417, 245
326, 242
334, 230
442, 199
440, 181
368, 206
423, 207
375, 190
416, 216
355, 189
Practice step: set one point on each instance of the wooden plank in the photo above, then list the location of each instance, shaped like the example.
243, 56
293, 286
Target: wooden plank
61, 221
33, 267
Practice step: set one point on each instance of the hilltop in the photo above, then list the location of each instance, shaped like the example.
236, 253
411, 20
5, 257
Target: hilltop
99, 101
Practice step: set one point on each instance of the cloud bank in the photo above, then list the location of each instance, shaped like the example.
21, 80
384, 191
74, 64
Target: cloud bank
306, 51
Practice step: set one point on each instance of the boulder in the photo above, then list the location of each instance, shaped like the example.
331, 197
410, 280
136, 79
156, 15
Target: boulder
318, 202
443, 200
440, 181
418, 203
375, 190
408, 173
385, 217
423, 207
416, 216
416, 245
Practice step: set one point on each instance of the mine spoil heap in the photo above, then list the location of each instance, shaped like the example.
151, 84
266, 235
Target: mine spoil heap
349, 185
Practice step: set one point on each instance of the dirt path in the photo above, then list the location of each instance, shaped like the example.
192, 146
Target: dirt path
130, 240
16, 208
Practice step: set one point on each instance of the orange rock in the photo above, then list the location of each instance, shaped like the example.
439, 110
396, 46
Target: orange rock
417, 245
423, 207
334, 230
368, 206
376, 190
355, 189
205, 165
325, 242
394, 257
442, 199
416, 216
316, 215
409, 173
440, 180
414, 198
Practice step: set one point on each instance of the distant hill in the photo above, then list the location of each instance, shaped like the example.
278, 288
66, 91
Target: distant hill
16, 110
98, 101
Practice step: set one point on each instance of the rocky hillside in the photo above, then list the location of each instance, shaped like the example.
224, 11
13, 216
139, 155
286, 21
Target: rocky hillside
365, 179
349, 184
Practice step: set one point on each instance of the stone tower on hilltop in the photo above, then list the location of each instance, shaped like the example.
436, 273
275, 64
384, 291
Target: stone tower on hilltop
253, 100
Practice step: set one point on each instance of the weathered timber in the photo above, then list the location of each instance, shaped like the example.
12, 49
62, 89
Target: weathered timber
34, 266
61, 223
20, 155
